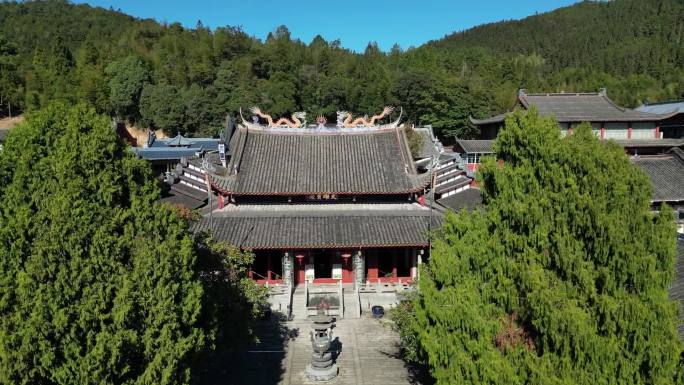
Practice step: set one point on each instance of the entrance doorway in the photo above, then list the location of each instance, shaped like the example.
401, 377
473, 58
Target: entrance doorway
322, 265
403, 264
389, 265
267, 266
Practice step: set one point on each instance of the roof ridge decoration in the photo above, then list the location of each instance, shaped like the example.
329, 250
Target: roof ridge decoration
612, 103
282, 122
568, 94
346, 119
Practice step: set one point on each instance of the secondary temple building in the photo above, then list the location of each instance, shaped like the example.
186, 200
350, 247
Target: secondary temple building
322, 203
673, 126
652, 130
652, 134
608, 120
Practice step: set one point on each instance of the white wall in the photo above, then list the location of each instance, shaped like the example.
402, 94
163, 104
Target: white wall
643, 130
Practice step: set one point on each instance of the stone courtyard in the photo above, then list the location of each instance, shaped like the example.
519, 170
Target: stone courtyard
366, 349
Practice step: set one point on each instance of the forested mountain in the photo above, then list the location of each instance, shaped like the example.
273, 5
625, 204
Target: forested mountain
621, 37
180, 79
636, 48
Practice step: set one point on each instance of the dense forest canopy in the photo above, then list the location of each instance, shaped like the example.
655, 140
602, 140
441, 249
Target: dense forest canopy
187, 79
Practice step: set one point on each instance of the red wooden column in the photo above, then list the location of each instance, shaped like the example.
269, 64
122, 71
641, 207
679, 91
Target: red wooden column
629, 131
395, 261
657, 132
299, 257
346, 267
603, 131
268, 266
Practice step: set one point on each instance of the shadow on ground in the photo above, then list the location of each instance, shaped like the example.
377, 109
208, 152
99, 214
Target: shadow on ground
418, 374
259, 363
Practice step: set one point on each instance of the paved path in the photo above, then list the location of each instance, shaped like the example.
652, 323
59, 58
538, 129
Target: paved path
367, 355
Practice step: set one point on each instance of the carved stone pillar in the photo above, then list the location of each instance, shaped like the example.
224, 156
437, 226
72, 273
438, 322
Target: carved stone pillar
359, 265
288, 269
419, 261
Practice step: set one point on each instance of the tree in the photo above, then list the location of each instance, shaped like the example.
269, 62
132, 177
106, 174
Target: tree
161, 107
98, 283
278, 95
636, 52
234, 87
198, 116
561, 279
127, 77
10, 84
233, 300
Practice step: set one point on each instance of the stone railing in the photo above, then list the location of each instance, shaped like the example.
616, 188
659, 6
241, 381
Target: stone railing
341, 296
306, 297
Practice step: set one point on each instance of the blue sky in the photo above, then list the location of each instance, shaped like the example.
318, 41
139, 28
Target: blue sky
354, 22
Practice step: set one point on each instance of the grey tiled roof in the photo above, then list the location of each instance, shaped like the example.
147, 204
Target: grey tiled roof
677, 286
299, 228
182, 200
466, 199
339, 162
164, 153
663, 107
183, 189
460, 181
584, 107
578, 107
666, 142
494, 119
476, 146
666, 173
207, 144
485, 146
178, 140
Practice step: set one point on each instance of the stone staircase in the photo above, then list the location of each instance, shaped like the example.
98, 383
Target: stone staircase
279, 299
351, 303
299, 303
350, 300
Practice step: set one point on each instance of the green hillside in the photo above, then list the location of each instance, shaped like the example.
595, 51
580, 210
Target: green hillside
180, 79
623, 37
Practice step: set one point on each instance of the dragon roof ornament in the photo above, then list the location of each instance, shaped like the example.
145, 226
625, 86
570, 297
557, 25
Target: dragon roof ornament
345, 119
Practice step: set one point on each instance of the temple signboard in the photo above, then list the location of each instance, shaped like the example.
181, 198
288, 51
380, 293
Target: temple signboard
309, 274
337, 271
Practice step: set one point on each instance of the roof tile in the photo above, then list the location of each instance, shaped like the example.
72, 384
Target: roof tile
283, 163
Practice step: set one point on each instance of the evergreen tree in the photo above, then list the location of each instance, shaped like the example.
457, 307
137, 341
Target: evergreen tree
561, 279
126, 80
98, 283
10, 86
161, 107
